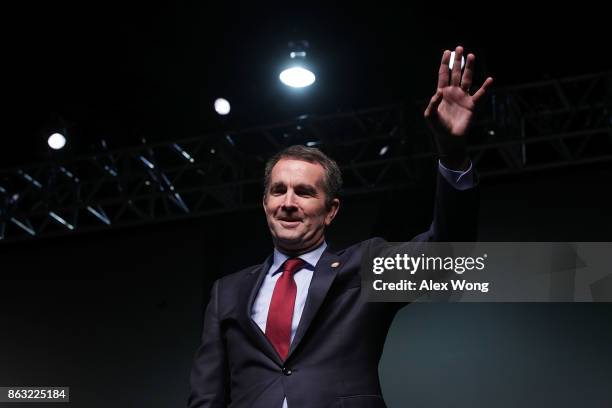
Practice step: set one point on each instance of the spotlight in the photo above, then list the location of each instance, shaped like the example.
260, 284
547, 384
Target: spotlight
297, 77
222, 106
56, 141
297, 74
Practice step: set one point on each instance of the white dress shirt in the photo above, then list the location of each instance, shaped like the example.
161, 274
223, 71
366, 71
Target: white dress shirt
302, 278
461, 180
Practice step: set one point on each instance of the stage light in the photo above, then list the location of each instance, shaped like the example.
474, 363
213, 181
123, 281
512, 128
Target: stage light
297, 77
222, 106
56, 141
297, 74
452, 60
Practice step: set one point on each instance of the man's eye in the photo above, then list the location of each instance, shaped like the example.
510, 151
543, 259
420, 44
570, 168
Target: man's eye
305, 193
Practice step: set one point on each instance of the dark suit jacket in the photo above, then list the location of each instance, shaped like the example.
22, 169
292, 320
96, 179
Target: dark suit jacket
333, 359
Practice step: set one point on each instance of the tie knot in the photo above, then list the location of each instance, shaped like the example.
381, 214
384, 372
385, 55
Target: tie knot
292, 265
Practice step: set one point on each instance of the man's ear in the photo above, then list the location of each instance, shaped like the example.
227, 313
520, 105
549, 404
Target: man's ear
333, 210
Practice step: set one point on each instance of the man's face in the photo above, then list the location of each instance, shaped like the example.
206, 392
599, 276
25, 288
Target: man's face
295, 205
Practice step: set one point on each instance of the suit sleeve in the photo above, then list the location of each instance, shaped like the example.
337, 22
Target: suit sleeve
455, 216
209, 373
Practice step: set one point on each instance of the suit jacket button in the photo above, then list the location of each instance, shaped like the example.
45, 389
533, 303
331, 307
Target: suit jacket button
287, 371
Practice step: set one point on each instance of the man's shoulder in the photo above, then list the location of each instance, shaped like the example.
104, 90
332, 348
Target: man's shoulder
359, 247
240, 275
227, 284
354, 249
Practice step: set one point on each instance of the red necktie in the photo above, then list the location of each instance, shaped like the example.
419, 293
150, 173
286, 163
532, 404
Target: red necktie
280, 314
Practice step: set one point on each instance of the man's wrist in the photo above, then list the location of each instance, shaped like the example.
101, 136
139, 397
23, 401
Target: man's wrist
456, 163
452, 152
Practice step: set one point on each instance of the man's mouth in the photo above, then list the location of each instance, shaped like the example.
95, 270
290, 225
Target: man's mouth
289, 222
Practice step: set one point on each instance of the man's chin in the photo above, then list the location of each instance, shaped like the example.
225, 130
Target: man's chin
294, 245
289, 242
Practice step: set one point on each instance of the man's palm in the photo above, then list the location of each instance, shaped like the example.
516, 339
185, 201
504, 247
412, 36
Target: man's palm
455, 111
450, 111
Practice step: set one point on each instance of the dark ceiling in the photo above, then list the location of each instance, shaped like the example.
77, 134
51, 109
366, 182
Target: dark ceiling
121, 71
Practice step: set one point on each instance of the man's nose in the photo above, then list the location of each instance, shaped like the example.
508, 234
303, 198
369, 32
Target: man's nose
289, 201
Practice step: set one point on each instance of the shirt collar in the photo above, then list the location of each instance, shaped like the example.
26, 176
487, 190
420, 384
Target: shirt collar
311, 258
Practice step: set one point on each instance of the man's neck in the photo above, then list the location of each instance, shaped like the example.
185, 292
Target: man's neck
301, 251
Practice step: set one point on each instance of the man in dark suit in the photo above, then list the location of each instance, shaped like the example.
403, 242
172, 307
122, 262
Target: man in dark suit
294, 331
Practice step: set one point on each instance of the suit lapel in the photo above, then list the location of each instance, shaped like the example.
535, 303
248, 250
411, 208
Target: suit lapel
322, 278
248, 292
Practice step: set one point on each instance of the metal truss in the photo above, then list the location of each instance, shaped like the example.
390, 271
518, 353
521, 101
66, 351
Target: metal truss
541, 125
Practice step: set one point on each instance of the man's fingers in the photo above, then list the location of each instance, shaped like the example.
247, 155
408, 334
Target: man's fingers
483, 89
456, 78
433, 103
456, 71
466, 80
443, 71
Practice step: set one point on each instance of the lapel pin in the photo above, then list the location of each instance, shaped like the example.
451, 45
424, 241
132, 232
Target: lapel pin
335, 264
